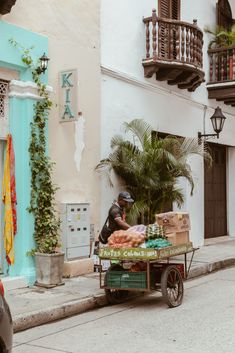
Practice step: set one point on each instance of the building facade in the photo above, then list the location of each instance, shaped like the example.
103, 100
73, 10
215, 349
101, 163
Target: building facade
156, 66
111, 62
70, 36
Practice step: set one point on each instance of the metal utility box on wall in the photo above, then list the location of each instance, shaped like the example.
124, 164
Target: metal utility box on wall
75, 227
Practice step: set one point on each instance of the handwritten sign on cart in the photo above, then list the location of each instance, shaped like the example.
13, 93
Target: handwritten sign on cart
144, 254
128, 253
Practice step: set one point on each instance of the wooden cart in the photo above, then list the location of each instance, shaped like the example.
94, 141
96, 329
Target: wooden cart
159, 274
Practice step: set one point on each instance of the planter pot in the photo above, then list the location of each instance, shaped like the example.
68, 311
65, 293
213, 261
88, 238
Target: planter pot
49, 269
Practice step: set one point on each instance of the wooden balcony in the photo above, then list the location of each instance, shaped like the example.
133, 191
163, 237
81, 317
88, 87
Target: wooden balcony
221, 85
174, 52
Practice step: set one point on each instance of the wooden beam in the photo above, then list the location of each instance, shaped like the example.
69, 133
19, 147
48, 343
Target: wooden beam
174, 73
190, 84
195, 86
150, 70
221, 93
185, 77
162, 74
230, 101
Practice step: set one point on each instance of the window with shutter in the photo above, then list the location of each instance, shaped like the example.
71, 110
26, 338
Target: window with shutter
175, 9
169, 9
3, 99
224, 15
164, 8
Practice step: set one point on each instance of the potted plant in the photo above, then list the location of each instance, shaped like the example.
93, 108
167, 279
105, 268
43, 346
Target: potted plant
221, 38
150, 168
49, 261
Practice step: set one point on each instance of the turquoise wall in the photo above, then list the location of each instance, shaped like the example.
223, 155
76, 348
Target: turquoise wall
20, 115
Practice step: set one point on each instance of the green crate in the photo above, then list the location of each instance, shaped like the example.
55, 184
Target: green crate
126, 279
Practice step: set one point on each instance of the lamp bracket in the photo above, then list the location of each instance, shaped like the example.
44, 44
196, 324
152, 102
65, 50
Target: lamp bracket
206, 136
39, 70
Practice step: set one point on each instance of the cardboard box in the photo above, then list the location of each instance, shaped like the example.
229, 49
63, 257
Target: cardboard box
178, 238
105, 264
174, 221
78, 267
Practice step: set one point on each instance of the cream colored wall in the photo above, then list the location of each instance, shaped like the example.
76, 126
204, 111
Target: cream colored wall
73, 30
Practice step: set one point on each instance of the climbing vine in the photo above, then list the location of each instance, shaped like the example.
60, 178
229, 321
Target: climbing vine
42, 201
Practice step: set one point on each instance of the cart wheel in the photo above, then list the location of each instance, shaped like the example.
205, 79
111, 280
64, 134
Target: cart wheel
172, 286
115, 296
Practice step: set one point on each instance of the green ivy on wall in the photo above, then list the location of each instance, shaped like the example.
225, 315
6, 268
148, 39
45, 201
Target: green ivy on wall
42, 201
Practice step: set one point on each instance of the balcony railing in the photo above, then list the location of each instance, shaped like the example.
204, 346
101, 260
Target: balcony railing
222, 64
173, 42
221, 85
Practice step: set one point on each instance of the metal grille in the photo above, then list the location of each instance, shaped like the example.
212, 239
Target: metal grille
3, 98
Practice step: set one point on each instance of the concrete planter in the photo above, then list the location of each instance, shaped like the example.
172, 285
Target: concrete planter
49, 269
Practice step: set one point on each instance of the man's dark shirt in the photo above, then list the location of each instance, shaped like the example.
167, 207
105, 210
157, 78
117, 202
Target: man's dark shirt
115, 211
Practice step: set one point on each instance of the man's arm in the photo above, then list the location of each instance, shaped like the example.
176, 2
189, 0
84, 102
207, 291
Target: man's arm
121, 223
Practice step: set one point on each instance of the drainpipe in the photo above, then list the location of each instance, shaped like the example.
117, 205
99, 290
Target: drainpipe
204, 118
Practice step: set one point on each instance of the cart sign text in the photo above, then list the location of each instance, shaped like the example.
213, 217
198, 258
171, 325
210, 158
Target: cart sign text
144, 254
129, 253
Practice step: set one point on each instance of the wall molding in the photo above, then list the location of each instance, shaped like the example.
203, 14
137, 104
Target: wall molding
28, 89
132, 80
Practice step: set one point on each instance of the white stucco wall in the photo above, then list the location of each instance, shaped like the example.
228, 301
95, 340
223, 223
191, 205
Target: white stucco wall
73, 30
126, 94
231, 191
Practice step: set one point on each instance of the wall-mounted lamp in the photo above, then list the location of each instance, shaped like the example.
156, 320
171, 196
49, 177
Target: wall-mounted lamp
217, 121
43, 64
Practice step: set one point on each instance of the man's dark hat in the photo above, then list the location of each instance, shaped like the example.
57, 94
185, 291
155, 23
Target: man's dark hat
124, 195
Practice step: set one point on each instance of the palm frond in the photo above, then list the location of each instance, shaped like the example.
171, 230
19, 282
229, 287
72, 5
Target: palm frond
140, 129
151, 168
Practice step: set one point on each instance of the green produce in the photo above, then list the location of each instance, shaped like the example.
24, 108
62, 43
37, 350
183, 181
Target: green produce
157, 243
154, 231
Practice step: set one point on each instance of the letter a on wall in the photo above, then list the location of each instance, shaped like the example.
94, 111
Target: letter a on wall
68, 95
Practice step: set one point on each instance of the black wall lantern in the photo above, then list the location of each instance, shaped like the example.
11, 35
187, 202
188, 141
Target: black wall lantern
43, 64
217, 121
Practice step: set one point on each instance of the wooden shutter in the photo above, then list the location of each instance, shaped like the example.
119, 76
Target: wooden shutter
175, 9
164, 8
224, 14
169, 9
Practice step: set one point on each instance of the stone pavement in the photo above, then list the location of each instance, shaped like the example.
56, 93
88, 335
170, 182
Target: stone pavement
34, 306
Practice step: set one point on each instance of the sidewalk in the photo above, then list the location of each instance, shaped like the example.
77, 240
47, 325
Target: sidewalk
35, 306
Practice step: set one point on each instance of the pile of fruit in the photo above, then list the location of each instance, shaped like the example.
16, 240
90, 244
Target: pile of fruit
152, 236
125, 239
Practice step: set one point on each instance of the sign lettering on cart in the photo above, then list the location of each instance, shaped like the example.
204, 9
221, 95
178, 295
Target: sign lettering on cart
144, 254
130, 253
174, 250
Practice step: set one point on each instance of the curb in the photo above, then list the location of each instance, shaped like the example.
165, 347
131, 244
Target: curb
211, 267
58, 312
40, 317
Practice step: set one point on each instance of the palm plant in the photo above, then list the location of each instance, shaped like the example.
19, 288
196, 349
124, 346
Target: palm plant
150, 167
221, 37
